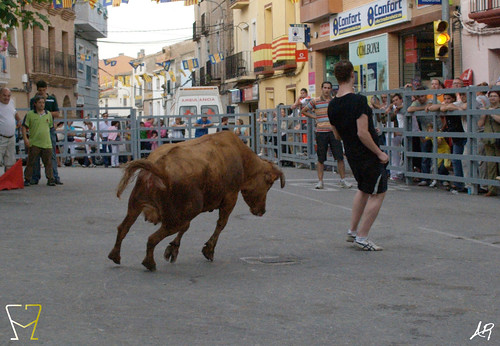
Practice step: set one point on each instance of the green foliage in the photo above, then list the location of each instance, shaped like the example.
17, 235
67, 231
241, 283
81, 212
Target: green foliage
13, 13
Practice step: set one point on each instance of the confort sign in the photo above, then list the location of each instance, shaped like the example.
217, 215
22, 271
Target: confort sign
369, 17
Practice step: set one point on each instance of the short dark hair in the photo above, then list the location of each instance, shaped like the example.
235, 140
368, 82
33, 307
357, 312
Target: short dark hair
304, 89
343, 70
453, 96
41, 84
326, 82
398, 95
38, 98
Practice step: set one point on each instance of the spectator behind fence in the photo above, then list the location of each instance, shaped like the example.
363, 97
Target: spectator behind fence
261, 122
202, 126
443, 165
224, 124
52, 107
436, 84
71, 147
241, 130
89, 138
9, 120
105, 148
482, 102
177, 133
491, 123
424, 143
114, 141
39, 144
395, 119
317, 109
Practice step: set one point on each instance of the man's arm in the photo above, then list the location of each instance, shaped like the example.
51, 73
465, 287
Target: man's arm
432, 107
306, 111
452, 107
25, 137
336, 133
366, 138
413, 109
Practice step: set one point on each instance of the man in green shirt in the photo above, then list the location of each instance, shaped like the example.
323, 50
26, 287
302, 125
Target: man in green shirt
39, 143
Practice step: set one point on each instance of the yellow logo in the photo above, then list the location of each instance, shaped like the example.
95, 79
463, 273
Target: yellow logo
14, 323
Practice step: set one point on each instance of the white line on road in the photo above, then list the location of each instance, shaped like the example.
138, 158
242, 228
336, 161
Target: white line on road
451, 235
314, 200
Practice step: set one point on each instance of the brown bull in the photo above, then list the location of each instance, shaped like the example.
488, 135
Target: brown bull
179, 181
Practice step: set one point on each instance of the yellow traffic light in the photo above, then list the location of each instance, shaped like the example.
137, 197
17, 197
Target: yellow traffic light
441, 39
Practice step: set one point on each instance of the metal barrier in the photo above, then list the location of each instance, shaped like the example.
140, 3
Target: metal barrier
285, 137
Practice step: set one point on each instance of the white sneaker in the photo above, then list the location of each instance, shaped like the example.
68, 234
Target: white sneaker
319, 185
367, 246
344, 184
433, 184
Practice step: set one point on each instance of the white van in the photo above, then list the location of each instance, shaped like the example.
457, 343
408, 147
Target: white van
191, 101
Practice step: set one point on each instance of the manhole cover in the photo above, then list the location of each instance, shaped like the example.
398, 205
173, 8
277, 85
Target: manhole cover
272, 260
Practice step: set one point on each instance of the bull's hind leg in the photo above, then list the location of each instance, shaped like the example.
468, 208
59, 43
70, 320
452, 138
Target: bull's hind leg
172, 250
224, 211
123, 229
153, 240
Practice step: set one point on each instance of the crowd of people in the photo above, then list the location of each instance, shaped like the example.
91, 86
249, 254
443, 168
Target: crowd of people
391, 116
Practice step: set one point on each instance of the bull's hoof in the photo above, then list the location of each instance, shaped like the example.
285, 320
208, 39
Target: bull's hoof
151, 266
208, 252
114, 256
171, 253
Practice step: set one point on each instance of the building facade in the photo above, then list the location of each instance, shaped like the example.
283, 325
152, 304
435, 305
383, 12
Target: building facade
90, 25
391, 43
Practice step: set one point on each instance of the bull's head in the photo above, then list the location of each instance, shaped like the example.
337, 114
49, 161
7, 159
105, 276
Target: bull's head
254, 191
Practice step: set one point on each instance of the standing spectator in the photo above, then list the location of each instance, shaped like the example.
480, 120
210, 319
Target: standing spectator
395, 119
224, 124
154, 137
351, 118
163, 131
442, 148
262, 123
70, 137
301, 102
317, 109
114, 141
177, 133
491, 123
9, 119
39, 144
105, 148
241, 131
436, 84
143, 135
202, 126
4, 45
52, 107
89, 138
482, 102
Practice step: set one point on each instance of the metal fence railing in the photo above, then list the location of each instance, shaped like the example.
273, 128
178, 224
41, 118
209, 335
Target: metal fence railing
283, 136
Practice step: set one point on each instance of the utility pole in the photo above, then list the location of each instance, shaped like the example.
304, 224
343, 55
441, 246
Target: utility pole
445, 15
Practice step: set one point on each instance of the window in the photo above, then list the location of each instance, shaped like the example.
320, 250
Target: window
88, 77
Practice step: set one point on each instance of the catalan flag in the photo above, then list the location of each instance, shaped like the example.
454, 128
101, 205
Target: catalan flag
92, 3
283, 49
190, 2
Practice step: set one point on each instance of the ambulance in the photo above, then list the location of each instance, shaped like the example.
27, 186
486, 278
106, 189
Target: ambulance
195, 101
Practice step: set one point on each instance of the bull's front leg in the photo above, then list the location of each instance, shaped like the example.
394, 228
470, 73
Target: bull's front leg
225, 210
172, 249
153, 240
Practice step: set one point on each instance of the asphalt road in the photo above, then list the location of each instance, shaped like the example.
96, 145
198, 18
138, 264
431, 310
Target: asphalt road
287, 278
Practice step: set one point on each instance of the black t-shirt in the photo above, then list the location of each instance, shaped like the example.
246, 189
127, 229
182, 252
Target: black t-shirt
343, 113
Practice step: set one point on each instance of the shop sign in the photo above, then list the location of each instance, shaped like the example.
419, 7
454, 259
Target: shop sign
324, 29
235, 96
369, 17
428, 2
250, 94
369, 58
301, 55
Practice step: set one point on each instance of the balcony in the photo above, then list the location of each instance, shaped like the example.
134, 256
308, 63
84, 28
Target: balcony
238, 4
196, 34
318, 10
54, 67
91, 23
283, 53
486, 12
239, 66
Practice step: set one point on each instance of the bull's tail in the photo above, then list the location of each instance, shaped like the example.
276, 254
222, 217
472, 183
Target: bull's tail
132, 167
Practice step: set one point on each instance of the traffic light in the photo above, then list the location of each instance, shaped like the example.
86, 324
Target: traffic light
441, 39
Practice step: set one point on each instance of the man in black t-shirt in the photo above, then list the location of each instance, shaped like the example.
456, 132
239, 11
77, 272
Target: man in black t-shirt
352, 122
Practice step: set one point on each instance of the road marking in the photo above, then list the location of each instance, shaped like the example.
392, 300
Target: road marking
314, 200
451, 235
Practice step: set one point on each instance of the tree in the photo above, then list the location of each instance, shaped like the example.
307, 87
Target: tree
13, 13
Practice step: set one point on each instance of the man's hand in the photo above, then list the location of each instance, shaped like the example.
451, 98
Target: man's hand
383, 157
26, 143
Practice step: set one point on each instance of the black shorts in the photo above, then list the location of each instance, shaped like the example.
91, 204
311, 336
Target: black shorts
370, 174
323, 139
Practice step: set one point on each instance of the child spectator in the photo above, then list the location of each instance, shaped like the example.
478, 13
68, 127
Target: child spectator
154, 137
114, 138
39, 144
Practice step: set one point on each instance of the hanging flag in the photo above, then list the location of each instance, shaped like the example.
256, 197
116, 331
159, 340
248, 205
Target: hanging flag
67, 3
135, 64
109, 62
183, 73
116, 3
162, 72
127, 81
57, 4
172, 76
147, 78
107, 3
216, 58
190, 2
92, 3
125, 2
138, 79
294, 1
190, 64
88, 57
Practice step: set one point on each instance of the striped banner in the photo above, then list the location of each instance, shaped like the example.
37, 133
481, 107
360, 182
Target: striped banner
283, 49
138, 80
67, 3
